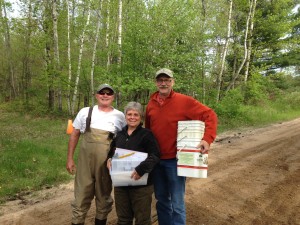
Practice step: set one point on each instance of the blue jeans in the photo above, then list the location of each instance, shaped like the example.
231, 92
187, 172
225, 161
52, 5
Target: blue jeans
169, 192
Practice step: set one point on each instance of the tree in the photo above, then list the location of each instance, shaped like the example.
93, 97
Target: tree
11, 79
224, 53
82, 39
55, 52
252, 4
94, 50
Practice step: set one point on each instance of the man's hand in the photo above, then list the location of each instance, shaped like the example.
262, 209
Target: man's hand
71, 168
204, 147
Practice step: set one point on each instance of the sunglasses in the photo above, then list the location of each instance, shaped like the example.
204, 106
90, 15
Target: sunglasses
108, 93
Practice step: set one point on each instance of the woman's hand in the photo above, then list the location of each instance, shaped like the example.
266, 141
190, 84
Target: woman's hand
108, 164
135, 175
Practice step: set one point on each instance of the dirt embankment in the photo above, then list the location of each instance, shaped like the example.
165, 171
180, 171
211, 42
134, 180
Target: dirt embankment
253, 178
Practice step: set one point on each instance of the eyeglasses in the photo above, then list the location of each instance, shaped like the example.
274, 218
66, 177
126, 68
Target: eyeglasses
167, 81
108, 93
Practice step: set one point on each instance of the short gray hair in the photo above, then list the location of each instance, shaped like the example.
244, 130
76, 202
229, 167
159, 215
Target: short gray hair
134, 106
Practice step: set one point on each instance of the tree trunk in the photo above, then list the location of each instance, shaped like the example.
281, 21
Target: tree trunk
107, 36
203, 82
69, 60
26, 59
120, 34
11, 78
94, 51
224, 54
79, 61
119, 61
250, 41
56, 52
235, 76
204, 5
46, 25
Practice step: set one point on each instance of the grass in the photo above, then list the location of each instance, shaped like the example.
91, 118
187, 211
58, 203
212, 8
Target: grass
32, 154
257, 116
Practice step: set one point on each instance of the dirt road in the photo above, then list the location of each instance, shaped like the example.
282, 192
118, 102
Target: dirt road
253, 178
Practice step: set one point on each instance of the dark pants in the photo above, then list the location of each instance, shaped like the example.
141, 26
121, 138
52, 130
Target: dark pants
133, 202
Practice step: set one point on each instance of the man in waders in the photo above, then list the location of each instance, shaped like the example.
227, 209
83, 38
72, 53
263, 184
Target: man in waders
98, 124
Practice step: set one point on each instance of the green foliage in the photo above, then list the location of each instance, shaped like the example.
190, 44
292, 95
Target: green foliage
282, 81
274, 40
255, 91
230, 106
288, 102
286, 107
186, 36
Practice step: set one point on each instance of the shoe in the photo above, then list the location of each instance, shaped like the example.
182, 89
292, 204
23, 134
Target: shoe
100, 222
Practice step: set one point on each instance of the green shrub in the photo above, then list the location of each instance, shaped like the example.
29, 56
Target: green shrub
256, 90
229, 107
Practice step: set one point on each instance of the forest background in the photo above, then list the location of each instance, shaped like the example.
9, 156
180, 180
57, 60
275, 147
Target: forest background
240, 57
55, 53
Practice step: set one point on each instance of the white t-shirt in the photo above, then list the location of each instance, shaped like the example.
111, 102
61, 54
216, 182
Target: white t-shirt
112, 121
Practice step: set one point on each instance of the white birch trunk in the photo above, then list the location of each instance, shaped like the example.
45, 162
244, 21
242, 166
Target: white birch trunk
94, 51
120, 34
79, 61
69, 59
56, 50
220, 76
250, 41
107, 35
119, 60
245, 49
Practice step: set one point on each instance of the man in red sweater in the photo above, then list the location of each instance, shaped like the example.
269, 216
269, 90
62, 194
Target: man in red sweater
165, 108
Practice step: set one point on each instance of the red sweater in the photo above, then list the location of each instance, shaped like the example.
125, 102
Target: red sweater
162, 120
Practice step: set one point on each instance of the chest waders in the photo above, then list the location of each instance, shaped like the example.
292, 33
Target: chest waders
92, 176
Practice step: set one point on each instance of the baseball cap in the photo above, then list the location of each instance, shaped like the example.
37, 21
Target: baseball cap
164, 71
105, 86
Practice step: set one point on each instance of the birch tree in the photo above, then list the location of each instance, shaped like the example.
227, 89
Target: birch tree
94, 50
225, 49
107, 35
82, 39
237, 73
119, 58
69, 59
56, 50
250, 40
120, 34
